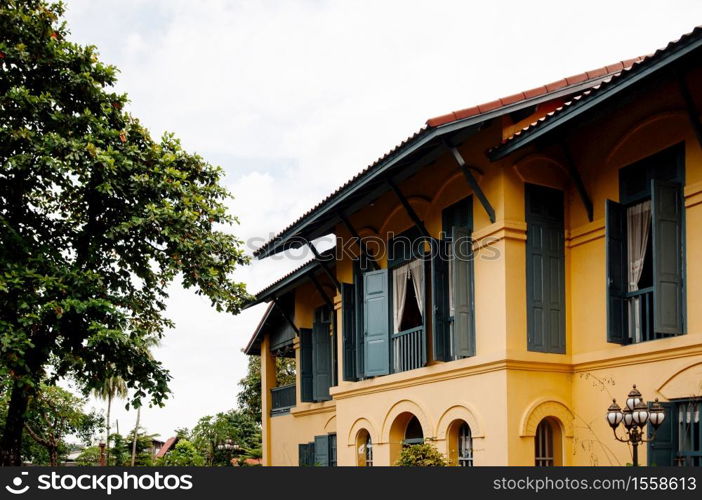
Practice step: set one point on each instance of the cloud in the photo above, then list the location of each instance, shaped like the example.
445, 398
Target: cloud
293, 98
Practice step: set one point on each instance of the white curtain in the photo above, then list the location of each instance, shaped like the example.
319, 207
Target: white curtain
399, 284
416, 268
638, 231
689, 413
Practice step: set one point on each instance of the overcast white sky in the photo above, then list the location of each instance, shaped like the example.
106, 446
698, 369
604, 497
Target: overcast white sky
293, 98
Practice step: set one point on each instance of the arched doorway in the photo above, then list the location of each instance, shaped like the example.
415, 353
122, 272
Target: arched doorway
405, 430
364, 449
548, 443
460, 445
413, 432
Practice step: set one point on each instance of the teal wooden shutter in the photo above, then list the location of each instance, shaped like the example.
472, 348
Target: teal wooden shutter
667, 233
662, 450
545, 273
359, 266
303, 454
306, 374
376, 323
321, 361
463, 324
321, 451
348, 330
615, 235
441, 327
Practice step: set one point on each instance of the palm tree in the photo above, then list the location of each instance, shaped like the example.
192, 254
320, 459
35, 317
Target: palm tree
112, 387
148, 344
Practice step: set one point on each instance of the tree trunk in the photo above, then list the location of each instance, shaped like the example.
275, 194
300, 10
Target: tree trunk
53, 456
11, 443
136, 432
107, 428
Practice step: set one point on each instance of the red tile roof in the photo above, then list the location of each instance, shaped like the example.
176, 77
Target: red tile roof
596, 75
595, 89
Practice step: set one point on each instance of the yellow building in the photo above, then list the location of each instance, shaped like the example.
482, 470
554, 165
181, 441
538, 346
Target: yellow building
498, 278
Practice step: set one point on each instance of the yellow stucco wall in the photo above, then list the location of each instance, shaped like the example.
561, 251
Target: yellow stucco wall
504, 390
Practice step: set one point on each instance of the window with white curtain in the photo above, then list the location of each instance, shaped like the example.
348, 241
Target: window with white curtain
408, 296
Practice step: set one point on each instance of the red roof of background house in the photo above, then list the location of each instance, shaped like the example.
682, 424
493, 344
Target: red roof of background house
170, 443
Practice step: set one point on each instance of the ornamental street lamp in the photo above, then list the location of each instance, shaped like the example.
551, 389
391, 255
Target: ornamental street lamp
228, 445
635, 415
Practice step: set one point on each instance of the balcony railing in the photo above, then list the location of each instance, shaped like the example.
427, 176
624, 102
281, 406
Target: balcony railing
282, 399
408, 349
640, 314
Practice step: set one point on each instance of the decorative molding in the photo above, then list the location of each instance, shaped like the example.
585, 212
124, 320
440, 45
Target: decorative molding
358, 425
440, 372
541, 409
307, 409
693, 194
420, 204
642, 353
677, 386
676, 114
397, 409
464, 412
500, 230
586, 233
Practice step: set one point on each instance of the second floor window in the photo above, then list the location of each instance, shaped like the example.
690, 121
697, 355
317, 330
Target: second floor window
545, 269
645, 251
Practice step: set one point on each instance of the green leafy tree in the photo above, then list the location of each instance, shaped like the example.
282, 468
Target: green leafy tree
421, 455
53, 414
249, 397
90, 456
184, 454
97, 219
236, 426
122, 447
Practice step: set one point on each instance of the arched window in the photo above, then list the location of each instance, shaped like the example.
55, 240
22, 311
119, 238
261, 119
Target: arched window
413, 432
547, 444
364, 449
460, 441
465, 446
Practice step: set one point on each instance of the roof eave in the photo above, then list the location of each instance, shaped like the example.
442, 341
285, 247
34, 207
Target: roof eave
578, 109
432, 133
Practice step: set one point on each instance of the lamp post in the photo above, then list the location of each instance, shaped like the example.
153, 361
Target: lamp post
635, 415
228, 445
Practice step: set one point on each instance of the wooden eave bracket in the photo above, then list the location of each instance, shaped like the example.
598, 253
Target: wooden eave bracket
472, 182
408, 208
579, 184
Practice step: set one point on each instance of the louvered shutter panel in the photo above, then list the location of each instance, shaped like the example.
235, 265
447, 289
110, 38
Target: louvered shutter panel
615, 222
441, 327
667, 233
321, 451
306, 374
662, 450
376, 323
321, 361
463, 331
348, 330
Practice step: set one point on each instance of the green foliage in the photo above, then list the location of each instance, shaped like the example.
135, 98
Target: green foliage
184, 454
212, 431
421, 455
90, 456
97, 218
121, 449
249, 397
53, 415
